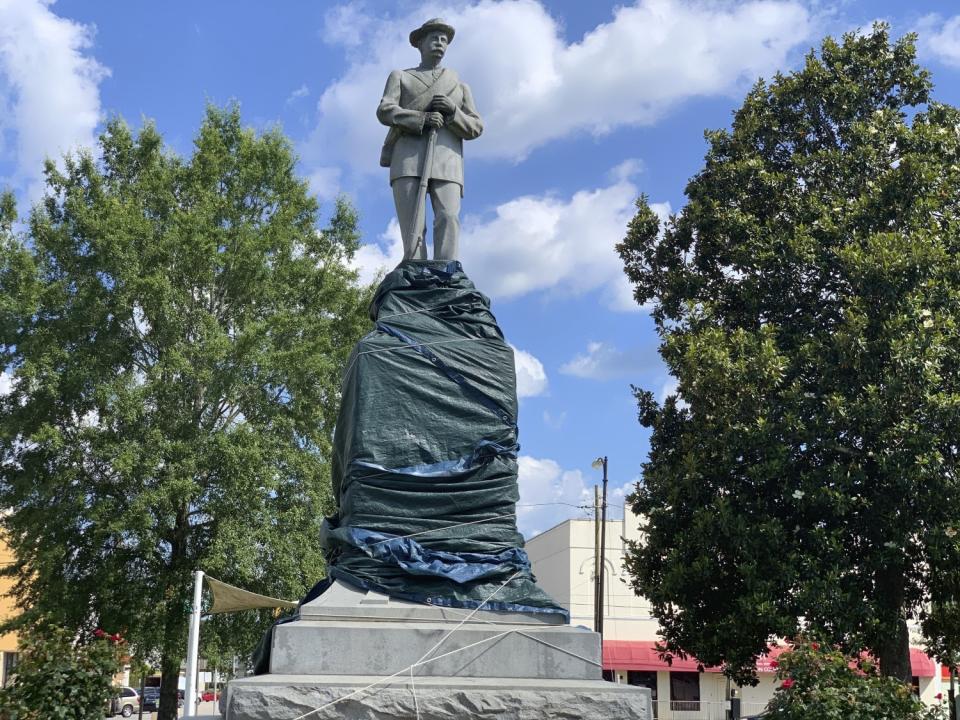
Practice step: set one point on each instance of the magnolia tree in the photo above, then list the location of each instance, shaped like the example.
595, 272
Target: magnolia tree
805, 474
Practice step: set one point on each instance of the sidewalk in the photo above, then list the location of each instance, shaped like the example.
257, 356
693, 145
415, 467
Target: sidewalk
205, 711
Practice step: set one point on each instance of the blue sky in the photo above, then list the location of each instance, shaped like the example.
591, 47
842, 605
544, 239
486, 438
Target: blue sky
586, 105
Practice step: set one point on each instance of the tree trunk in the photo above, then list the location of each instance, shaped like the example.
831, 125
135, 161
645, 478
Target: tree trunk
894, 654
175, 625
169, 676
892, 645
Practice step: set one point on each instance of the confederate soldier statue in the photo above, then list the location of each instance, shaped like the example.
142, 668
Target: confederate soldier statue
430, 113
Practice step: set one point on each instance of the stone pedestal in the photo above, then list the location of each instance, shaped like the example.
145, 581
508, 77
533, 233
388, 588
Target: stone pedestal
352, 651
424, 469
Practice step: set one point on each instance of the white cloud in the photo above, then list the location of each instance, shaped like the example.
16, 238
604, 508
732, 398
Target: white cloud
324, 182
617, 499
549, 495
940, 38
617, 495
548, 244
531, 377
626, 170
6, 383
373, 259
603, 361
562, 245
300, 92
344, 25
554, 421
533, 87
50, 85
670, 387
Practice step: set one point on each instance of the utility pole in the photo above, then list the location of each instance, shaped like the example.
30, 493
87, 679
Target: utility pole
596, 559
954, 701
193, 645
601, 462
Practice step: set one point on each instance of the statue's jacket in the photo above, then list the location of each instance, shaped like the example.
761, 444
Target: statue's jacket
406, 97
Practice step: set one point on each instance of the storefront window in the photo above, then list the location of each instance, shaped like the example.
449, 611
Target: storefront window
648, 680
9, 667
685, 691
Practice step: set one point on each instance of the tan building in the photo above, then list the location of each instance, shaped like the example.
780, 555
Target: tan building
8, 642
563, 560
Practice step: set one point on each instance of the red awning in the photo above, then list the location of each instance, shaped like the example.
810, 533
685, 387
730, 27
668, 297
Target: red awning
643, 655
768, 663
921, 665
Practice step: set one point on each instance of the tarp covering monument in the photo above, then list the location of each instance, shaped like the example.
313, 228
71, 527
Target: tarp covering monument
425, 464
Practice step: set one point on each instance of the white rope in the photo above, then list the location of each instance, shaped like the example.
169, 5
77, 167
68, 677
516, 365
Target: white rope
401, 672
534, 638
559, 649
414, 346
424, 659
421, 310
413, 689
446, 527
467, 618
473, 522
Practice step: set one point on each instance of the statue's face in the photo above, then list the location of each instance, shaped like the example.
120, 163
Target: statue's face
434, 45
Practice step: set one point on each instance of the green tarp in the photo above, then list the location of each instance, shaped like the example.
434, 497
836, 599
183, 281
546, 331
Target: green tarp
425, 451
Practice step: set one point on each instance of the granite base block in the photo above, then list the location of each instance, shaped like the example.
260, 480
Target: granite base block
470, 650
487, 665
288, 697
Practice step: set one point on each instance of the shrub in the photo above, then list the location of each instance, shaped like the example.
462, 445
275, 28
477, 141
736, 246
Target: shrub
821, 683
59, 678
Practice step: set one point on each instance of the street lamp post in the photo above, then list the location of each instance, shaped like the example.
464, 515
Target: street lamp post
596, 558
601, 462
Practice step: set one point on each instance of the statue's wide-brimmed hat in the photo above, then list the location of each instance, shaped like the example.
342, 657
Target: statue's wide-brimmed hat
429, 26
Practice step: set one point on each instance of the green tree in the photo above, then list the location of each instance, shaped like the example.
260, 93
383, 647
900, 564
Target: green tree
176, 331
59, 678
808, 303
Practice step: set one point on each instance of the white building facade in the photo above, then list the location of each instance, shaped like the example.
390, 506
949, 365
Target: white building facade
564, 560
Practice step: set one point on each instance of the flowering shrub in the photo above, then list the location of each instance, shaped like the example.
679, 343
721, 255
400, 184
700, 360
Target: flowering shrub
821, 683
59, 679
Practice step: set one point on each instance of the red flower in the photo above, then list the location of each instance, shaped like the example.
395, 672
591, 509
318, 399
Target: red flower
787, 684
116, 637
99, 633
814, 646
938, 696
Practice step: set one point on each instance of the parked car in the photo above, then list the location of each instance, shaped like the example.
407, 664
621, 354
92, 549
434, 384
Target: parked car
151, 699
125, 701
209, 696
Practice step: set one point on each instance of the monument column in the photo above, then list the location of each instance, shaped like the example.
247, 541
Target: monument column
430, 609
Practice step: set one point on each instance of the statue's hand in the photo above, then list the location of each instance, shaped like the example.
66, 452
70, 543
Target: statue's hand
434, 120
443, 104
